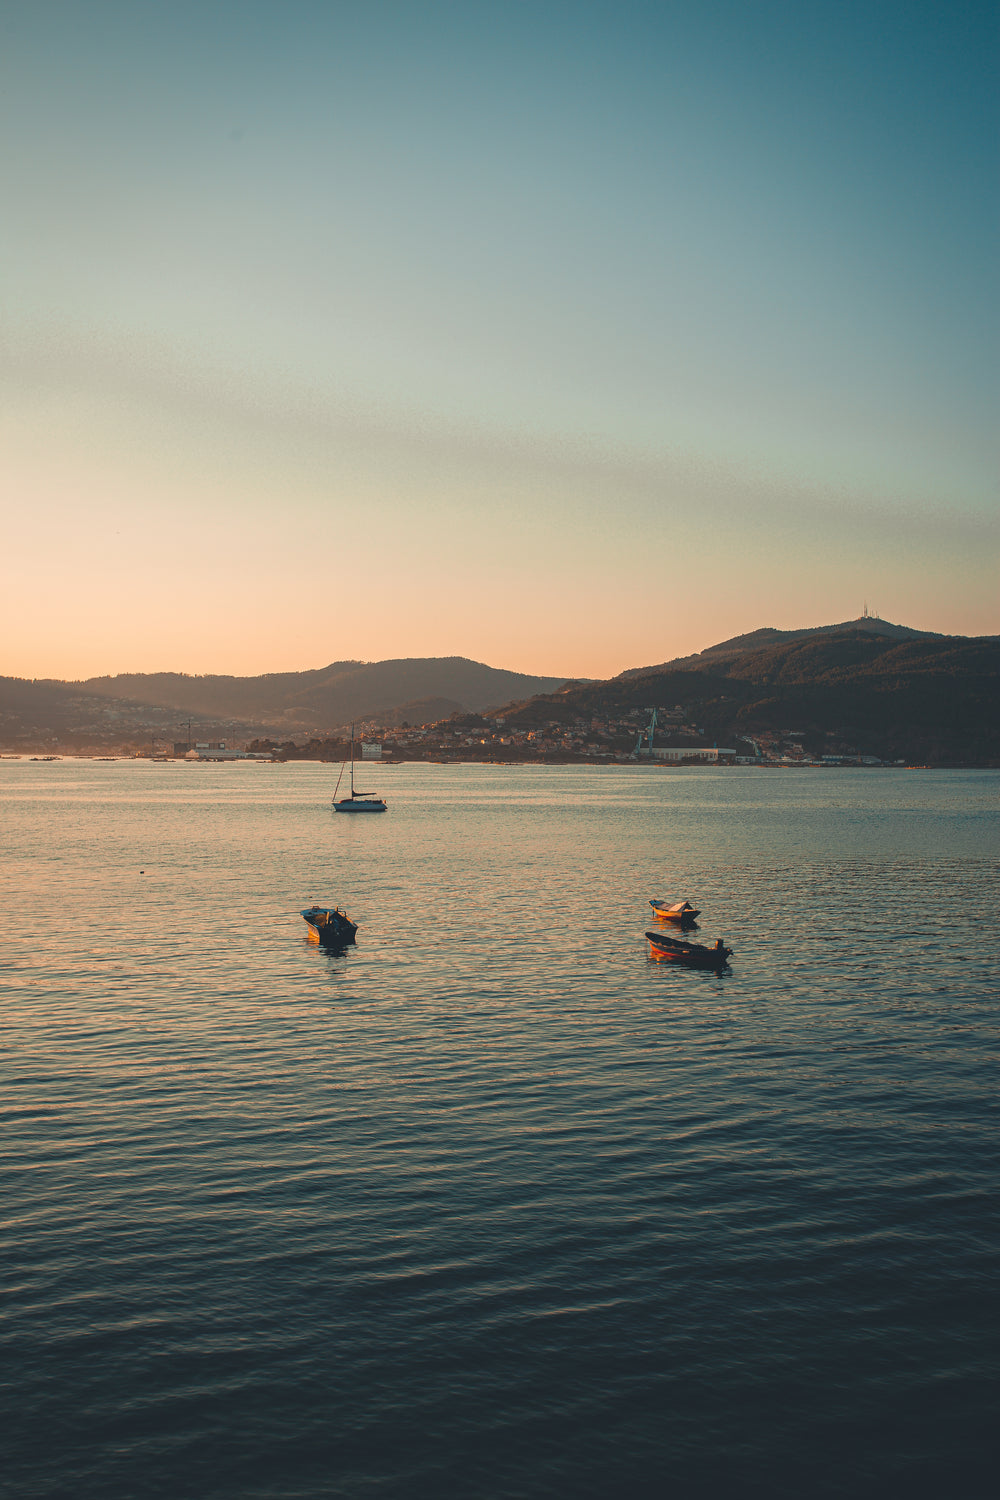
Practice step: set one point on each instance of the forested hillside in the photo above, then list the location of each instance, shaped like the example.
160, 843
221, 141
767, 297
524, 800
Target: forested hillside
935, 698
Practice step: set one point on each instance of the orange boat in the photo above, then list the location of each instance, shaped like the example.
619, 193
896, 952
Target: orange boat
329, 926
681, 911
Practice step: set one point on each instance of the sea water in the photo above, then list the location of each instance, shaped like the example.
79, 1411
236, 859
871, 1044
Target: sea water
492, 1204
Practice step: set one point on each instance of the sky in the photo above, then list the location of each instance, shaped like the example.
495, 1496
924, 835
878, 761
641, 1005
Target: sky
569, 337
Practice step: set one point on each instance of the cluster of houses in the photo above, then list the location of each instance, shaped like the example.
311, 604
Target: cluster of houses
596, 737
592, 738
506, 736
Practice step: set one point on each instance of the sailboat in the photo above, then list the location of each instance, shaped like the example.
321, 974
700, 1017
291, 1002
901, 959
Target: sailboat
357, 801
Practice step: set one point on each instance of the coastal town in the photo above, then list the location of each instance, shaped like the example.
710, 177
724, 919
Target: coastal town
641, 736
519, 733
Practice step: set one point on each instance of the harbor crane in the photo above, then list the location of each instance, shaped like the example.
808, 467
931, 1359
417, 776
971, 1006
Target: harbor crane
646, 737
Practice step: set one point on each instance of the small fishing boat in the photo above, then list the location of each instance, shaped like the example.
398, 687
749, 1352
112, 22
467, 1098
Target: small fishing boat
694, 955
681, 911
329, 926
357, 802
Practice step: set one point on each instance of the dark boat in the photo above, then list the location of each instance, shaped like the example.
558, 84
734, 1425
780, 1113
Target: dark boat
693, 955
681, 911
331, 927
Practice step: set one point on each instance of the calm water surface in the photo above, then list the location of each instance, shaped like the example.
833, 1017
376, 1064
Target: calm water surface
492, 1205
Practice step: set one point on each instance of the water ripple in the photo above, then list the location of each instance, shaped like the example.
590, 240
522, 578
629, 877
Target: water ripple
491, 1204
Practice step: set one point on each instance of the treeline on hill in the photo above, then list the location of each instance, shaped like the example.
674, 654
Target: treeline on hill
935, 700
328, 696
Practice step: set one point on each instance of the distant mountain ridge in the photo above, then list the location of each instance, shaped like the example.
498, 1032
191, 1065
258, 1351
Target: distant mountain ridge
325, 696
279, 703
885, 689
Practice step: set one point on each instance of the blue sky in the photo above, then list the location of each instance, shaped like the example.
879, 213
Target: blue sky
568, 337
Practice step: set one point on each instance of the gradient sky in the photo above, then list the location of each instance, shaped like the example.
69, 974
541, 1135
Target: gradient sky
569, 337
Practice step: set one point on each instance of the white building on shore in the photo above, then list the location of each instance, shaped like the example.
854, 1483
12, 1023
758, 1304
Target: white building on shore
675, 753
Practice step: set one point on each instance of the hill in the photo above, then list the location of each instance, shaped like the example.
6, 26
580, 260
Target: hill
328, 696
757, 640
135, 706
36, 715
889, 692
